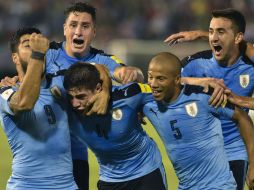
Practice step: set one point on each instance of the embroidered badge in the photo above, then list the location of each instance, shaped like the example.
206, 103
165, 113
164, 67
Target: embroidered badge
244, 80
7, 93
191, 109
117, 114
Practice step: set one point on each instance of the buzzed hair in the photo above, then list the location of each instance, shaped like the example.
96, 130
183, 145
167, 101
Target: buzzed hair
166, 58
235, 16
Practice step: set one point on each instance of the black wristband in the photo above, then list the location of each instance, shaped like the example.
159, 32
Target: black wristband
37, 55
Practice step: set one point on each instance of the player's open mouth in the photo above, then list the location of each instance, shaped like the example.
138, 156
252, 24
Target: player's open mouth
156, 92
217, 49
78, 42
79, 110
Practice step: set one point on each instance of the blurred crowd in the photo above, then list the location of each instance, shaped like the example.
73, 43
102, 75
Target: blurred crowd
138, 19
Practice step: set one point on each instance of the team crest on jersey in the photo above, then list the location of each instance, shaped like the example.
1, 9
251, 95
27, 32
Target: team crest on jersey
7, 93
244, 80
56, 92
117, 114
191, 109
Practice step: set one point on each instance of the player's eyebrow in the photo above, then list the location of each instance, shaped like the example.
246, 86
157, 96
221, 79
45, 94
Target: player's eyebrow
26, 40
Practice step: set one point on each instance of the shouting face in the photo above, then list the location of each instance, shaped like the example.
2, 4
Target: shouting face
79, 31
224, 41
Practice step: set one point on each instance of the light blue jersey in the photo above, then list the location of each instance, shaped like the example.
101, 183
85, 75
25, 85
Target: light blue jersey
57, 61
239, 78
40, 144
193, 140
122, 148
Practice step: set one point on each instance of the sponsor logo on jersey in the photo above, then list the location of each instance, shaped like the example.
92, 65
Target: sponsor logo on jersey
191, 109
244, 80
125, 92
117, 114
56, 92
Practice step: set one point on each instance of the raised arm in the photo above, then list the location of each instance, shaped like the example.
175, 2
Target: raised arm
26, 96
186, 36
246, 129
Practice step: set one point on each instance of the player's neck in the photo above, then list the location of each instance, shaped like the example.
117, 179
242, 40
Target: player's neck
231, 60
173, 98
80, 55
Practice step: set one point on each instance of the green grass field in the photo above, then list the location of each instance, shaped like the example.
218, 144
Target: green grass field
5, 162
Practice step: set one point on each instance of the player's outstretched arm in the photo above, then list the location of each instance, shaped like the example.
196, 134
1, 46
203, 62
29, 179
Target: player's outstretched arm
241, 101
128, 74
28, 93
218, 96
246, 129
186, 36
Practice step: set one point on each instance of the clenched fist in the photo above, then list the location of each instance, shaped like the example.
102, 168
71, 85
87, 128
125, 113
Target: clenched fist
38, 43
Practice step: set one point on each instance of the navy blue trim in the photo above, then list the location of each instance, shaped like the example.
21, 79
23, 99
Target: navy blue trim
55, 45
126, 92
207, 54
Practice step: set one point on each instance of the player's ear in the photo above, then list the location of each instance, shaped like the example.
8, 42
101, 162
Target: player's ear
98, 88
238, 38
15, 58
64, 28
94, 33
178, 80
19, 68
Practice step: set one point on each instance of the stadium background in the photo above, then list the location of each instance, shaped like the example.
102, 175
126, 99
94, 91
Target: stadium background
133, 30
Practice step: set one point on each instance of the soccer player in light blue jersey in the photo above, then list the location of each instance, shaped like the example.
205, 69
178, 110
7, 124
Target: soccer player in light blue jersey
34, 121
189, 129
225, 61
128, 158
79, 32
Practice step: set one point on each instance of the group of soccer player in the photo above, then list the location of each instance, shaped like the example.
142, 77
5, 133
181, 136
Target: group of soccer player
64, 101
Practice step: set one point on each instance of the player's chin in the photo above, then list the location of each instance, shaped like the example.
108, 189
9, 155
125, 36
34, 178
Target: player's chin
157, 98
80, 111
78, 49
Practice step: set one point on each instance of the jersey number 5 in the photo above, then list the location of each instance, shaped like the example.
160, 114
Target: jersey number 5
176, 131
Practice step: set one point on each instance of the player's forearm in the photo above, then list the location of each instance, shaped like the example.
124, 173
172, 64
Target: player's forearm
195, 81
241, 101
28, 93
105, 77
247, 131
203, 35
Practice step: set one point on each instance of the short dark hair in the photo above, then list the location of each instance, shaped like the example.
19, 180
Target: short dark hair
81, 75
235, 16
15, 38
81, 7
